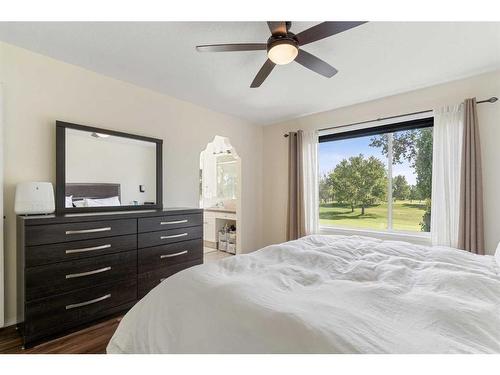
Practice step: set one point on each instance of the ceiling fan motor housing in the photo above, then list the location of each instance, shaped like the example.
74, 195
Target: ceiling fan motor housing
275, 40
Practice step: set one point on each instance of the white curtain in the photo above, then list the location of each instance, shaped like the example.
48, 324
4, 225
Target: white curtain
446, 167
310, 181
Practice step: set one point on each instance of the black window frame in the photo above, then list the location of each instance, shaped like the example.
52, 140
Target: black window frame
426, 122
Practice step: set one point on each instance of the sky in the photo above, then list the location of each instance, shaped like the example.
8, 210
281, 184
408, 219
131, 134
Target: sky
331, 153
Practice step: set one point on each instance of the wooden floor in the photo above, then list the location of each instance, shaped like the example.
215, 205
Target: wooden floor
92, 340
215, 255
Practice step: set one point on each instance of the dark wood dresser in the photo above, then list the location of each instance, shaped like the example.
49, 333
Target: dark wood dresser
75, 269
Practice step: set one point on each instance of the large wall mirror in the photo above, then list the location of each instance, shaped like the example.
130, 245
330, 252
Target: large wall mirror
104, 170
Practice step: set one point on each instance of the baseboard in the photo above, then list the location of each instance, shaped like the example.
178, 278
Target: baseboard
9, 323
213, 245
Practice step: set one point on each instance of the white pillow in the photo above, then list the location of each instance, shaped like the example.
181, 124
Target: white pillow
69, 202
112, 201
79, 203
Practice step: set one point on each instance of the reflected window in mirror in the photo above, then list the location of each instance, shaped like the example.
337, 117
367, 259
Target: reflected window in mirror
227, 177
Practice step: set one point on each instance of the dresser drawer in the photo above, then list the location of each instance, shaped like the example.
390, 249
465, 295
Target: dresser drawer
64, 251
54, 314
53, 233
47, 280
152, 224
169, 236
153, 258
148, 281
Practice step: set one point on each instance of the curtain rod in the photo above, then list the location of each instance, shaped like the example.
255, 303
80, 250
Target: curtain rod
493, 99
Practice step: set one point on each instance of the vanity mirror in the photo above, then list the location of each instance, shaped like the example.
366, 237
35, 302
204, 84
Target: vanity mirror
105, 170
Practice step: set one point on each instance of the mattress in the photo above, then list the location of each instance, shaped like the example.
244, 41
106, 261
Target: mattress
323, 294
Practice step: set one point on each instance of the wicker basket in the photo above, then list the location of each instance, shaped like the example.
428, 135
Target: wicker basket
222, 245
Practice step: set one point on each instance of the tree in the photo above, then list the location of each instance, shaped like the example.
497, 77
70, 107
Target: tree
414, 194
359, 181
325, 189
342, 187
425, 224
414, 146
400, 188
423, 163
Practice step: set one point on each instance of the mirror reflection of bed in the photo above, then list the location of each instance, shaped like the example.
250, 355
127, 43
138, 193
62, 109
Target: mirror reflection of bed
92, 195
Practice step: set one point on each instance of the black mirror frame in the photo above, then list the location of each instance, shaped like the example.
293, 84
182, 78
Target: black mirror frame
61, 127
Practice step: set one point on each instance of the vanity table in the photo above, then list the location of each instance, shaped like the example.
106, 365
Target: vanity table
213, 220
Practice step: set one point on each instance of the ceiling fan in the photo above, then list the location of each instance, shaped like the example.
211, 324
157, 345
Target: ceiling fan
283, 47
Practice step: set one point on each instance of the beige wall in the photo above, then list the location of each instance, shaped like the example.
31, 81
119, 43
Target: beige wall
483, 86
39, 90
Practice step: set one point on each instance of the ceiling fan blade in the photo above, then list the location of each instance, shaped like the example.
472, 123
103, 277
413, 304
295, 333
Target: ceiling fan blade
231, 47
277, 27
263, 73
315, 64
324, 30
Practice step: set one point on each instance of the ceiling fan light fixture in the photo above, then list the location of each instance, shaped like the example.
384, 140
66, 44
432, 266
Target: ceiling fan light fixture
283, 52
99, 135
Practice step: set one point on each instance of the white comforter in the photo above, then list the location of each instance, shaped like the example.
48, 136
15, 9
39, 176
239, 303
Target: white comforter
323, 294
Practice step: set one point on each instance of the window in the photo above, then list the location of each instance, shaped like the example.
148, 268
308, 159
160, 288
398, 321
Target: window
377, 178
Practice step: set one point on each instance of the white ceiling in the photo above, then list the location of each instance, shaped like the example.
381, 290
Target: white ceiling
374, 60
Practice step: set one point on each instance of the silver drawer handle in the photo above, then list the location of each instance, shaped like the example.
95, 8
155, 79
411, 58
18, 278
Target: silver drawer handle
173, 255
85, 249
75, 305
105, 229
173, 236
173, 222
73, 275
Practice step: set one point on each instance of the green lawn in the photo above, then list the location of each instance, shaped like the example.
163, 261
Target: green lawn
406, 216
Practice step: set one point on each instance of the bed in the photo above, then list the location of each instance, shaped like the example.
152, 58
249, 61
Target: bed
93, 190
323, 294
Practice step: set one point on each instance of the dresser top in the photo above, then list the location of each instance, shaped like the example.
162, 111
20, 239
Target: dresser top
92, 216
